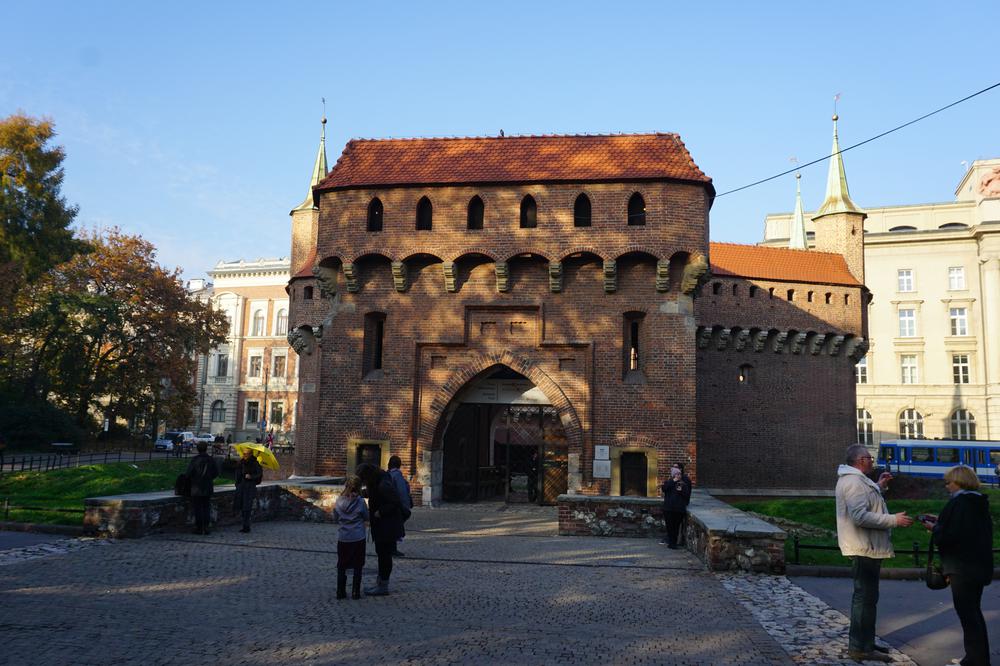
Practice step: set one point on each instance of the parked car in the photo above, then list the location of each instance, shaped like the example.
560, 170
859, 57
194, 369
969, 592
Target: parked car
166, 443
206, 437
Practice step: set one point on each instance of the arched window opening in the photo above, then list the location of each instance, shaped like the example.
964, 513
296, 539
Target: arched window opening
736, 290
476, 212
745, 376
631, 340
425, 214
374, 340
281, 323
963, 425
375, 215
581, 211
911, 424
829, 298
809, 296
770, 292
752, 291
307, 293
636, 210
258, 323
218, 412
866, 433
529, 212
847, 299
791, 294
716, 288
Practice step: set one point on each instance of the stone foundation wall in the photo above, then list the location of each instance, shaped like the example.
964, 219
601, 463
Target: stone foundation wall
723, 537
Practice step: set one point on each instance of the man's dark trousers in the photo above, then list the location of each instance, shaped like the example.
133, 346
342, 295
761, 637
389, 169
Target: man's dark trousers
863, 603
200, 506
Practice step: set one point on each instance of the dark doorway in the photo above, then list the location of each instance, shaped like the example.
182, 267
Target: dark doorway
633, 474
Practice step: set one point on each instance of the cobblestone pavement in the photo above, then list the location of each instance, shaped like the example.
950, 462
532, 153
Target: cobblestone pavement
480, 584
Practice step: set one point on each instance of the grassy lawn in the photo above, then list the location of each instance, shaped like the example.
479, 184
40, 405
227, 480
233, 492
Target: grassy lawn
67, 488
821, 513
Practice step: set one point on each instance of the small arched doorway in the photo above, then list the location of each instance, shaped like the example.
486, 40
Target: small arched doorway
503, 441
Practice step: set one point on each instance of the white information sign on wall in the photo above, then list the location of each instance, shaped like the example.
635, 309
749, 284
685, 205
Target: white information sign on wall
602, 469
602, 452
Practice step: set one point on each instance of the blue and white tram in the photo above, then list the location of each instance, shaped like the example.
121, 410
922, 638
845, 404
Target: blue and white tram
932, 458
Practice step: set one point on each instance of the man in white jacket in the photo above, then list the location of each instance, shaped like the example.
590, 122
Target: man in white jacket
864, 533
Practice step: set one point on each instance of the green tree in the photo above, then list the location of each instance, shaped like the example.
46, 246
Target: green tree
35, 219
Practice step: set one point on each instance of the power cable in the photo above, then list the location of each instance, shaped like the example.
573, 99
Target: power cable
861, 143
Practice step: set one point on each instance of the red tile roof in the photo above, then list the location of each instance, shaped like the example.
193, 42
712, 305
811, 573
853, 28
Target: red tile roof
577, 158
778, 263
307, 266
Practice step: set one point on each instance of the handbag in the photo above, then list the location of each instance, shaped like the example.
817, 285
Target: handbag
934, 577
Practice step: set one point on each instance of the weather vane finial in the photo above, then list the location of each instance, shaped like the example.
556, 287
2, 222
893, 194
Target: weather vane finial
836, 98
323, 99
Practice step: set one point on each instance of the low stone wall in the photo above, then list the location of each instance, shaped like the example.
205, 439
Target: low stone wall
723, 537
141, 514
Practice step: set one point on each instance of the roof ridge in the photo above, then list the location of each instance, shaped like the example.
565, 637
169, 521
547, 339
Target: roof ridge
584, 135
769, 247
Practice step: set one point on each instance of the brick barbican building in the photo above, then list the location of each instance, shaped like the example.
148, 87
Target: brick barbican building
518, 317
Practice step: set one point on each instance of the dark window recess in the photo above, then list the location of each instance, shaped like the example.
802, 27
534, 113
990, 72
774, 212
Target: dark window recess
632, 337
529, 212
307, 293
368, 453
745, 376
375, 215
476, 211
636, 210
581, 211
374, 340
425, 214
633, 474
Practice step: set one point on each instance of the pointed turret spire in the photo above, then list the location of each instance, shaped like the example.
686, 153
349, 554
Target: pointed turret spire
319, 168
838, 199
797, 237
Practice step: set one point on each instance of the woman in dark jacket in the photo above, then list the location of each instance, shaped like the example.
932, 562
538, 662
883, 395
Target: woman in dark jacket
963, 534
202, 470
386, 516
676, 495
248, 475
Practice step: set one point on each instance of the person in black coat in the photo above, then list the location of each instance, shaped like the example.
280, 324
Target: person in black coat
963, 534
248, 475
202, 470
676, 495
385, 512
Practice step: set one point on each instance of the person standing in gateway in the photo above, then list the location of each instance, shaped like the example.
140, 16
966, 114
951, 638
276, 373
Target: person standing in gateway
864, 529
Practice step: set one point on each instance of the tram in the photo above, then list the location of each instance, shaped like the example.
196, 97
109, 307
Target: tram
932, 458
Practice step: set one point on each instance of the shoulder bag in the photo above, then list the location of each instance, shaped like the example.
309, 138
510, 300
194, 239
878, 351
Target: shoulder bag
934, 578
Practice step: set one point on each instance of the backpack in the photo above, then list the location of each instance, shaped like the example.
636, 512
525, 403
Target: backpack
182, 486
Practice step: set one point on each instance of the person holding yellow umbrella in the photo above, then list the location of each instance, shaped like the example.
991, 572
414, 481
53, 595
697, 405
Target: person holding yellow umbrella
248, 474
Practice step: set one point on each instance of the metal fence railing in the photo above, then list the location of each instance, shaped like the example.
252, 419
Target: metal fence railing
8, 507
916, 552
60, 460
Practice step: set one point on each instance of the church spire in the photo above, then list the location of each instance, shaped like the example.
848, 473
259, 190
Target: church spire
838, 199
797, 237
319, 168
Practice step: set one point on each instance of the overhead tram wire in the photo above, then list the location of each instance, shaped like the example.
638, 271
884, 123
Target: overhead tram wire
860, 143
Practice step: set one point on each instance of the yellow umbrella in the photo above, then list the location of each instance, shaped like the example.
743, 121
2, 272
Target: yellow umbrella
260, 452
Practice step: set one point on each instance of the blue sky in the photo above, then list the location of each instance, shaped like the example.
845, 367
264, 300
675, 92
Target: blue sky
196, 124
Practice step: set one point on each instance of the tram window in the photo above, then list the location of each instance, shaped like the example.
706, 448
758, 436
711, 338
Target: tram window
947, 456
995, 457
887, 454
920, 454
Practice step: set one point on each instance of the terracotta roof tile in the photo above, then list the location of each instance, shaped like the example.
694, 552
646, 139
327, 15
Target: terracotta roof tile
307, 266
580, 158
777, 263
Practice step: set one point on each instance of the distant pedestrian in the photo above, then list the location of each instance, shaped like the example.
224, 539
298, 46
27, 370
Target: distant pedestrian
270, 438
386, 516
229, 438
533, 474
964, 535
682, 539
350, 513
178, 445
202, 470
864, 528
248, 475
676, 495
402, 487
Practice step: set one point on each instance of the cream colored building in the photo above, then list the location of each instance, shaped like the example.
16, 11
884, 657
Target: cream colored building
255, 374
933, 365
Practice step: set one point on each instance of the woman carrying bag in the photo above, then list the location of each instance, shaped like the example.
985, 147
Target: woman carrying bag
963, 534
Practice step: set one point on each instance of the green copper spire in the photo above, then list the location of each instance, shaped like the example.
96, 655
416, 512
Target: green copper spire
838, 199
797, 236
319, 168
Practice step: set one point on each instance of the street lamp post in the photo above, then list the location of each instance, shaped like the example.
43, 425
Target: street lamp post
263, 415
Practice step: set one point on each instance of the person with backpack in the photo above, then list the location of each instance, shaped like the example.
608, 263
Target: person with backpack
402, 487
201, 472
386, 515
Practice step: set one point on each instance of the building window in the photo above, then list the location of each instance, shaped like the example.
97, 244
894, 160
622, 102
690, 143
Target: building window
911, 424
963, 425
256, 362
425, 214
791, 294
956, 278
281, 323
908, 365
829, 298
258, 323
959, 321
375, 212
866, 433
636, 210
631, 339
752, 292
861, 371
581, 211
277, 414
904, 278
218, 412
960, 368
907, 323
374, 340
809, 296
307, 293
278, 367
222, 365
253, 412
745, 376
476, 212
529, 212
